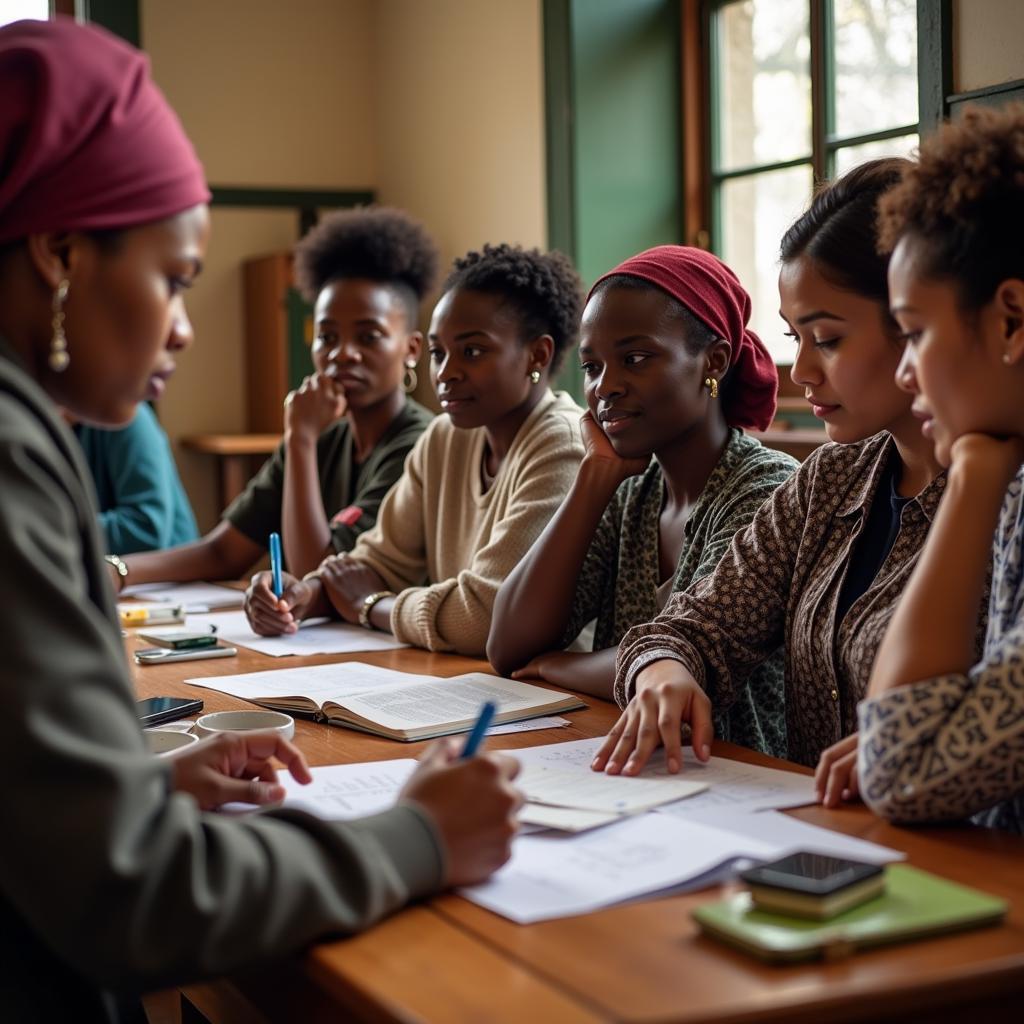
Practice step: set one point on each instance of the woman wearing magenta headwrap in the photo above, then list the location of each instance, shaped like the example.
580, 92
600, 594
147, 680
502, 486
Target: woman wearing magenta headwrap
113, 879
671, 371
823, 563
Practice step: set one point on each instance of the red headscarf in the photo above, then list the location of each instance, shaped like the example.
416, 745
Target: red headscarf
87, 141
714, 295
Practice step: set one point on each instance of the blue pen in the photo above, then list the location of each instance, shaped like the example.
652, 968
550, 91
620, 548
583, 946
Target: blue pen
483, 723
275, 563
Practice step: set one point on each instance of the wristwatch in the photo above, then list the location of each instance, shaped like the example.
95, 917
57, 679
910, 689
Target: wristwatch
119, 565
367, 606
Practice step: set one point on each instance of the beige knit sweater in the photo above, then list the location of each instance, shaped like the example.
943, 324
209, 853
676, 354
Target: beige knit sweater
445, 546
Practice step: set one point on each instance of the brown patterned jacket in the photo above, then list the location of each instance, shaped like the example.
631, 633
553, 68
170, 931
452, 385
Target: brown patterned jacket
780, 582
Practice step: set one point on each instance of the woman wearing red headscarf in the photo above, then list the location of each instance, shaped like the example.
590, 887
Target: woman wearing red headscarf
113, 879
671, 371
823, 564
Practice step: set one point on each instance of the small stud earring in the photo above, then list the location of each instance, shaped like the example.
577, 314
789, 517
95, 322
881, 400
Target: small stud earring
59, 357
710, 382
535, 376
410, 380
1006, 358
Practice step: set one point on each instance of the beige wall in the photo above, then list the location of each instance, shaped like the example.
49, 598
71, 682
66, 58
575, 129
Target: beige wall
988, 43
460, 118
436, 105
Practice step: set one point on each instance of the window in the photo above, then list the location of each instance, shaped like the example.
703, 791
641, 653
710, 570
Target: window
800, 90
16, 10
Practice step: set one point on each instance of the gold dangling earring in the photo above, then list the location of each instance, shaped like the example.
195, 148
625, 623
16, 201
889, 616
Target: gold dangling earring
535, 376
409, 380
710, 382
59, 357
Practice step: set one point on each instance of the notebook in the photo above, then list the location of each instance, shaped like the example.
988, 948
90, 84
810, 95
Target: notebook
915, 904
397, 705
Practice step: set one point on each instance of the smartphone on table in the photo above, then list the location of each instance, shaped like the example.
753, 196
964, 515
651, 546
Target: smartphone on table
163, 655
179, 639
157, 710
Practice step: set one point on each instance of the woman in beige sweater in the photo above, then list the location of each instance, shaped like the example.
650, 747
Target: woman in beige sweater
482, 481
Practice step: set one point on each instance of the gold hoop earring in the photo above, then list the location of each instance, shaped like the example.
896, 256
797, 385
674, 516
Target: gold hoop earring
409, 379
710, 382
535, 376
59, 357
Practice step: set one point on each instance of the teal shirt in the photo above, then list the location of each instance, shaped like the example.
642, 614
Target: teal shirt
143, 506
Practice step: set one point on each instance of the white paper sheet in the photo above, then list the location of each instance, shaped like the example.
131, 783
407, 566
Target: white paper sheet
315, 636
196, 597
579, 787
730, 784
553, 875
791, 835
564, 819
530, 725
344, 791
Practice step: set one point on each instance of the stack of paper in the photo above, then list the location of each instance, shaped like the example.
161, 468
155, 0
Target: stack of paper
558, 873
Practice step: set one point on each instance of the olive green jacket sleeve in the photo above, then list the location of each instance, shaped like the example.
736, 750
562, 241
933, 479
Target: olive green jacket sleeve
130, 884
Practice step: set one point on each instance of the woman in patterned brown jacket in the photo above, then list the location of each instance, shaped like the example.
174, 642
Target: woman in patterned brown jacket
825, 559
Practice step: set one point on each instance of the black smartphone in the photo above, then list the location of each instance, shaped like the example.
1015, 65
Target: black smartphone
155, 710
812, 874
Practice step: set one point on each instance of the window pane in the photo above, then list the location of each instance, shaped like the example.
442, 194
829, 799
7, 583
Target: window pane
876, 65
850, 156
755, 212
16, 10
763, 67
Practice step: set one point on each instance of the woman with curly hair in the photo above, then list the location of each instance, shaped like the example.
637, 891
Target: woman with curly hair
942, 732
673, 375
482, 481
349, 427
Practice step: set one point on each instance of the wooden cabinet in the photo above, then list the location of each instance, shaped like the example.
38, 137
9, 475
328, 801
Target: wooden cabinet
278, 335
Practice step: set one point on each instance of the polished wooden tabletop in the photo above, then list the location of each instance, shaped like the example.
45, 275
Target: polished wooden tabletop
450, 960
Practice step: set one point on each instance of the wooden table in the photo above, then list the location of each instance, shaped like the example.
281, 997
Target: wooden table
450, 960
235, 455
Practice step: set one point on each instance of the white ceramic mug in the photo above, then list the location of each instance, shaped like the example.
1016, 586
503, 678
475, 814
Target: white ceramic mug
245, 721
164, 741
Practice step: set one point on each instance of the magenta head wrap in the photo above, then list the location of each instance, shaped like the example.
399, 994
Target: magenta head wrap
714, 295
87, 141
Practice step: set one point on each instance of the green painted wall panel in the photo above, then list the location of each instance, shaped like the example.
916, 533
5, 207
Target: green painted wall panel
626, 85
612, 94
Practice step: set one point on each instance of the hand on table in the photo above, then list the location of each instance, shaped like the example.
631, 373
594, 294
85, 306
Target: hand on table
667, 696
271, 616
347, 583
236, 767
835, 778
313, 407
472, 803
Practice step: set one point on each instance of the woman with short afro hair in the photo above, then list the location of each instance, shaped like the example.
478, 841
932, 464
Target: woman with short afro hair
350, 425
482, 481
942, 732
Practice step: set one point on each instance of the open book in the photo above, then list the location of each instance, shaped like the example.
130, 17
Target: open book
398, 705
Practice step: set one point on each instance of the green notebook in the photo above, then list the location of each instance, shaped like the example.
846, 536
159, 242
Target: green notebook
914, 904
